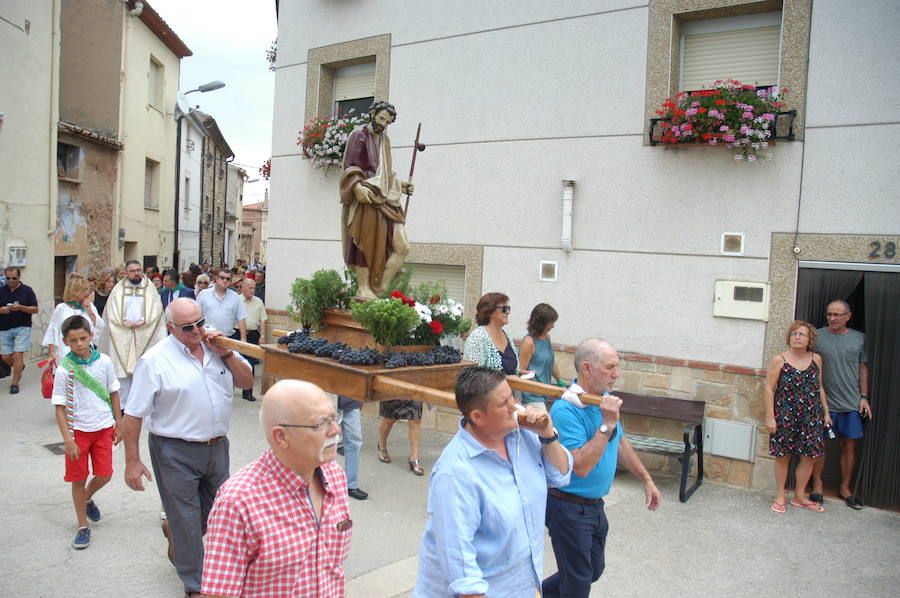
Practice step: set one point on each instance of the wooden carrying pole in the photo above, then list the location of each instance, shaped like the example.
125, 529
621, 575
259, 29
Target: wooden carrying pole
244, 348
549, 390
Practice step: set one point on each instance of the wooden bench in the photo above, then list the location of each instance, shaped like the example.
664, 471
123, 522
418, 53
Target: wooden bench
674, 409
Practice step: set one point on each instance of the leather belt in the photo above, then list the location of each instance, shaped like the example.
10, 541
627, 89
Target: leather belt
210, 442
578, 500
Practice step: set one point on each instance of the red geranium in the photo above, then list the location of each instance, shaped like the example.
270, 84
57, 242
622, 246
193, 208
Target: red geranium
436, 327
396, 295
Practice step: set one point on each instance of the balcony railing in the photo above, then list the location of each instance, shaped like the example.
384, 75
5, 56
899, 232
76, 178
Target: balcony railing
782, 128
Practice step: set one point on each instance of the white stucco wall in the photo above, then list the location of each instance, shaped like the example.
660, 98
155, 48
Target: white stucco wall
514, 97
191, 166
28, 134
850, 171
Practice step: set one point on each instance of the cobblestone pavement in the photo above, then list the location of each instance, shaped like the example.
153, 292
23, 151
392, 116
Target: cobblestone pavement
723, 542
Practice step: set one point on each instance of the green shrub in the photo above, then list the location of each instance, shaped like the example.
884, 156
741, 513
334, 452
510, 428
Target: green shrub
311, 297
387, 320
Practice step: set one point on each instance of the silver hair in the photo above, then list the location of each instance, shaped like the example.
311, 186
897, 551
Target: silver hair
589, 351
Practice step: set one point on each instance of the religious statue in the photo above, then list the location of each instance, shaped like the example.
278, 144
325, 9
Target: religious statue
372, 220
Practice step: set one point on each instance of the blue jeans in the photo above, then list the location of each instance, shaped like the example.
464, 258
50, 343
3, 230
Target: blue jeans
351, 430
578, 534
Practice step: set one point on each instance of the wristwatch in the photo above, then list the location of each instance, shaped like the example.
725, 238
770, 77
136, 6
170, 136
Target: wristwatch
610, 432
228, 355
552, 439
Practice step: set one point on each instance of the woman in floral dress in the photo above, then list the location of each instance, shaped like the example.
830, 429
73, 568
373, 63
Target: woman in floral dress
796, 413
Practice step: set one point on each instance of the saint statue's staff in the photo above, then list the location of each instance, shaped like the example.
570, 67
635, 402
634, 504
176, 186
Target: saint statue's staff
417, 147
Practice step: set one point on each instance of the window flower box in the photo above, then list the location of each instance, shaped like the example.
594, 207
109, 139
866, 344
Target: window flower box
742, 117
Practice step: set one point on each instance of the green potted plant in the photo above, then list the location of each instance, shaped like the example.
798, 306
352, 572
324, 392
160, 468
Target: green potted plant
311, 297
387, 320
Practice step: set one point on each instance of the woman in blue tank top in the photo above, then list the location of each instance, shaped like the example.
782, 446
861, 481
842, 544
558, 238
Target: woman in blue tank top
536, 352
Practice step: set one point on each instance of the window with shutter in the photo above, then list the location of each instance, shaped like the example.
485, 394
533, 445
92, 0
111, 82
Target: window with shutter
453, 277
354, 88
745, 48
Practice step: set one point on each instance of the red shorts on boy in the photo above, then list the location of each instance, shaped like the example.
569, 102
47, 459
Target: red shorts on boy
99, 445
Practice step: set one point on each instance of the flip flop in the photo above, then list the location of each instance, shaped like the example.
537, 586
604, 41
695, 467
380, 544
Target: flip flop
816, 497
853, 502
809, 506
779, 507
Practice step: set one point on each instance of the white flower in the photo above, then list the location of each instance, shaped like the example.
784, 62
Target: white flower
423, 311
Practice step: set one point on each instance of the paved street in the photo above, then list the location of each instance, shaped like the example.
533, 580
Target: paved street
724, 542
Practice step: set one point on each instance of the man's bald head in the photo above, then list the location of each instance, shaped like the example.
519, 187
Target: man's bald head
183, 311
300, 426
290, 401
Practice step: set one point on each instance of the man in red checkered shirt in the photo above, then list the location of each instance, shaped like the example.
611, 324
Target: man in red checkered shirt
280, 527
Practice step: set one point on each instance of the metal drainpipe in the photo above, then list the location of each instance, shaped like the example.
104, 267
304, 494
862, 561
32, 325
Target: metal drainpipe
52, 184
567, 198
177, 190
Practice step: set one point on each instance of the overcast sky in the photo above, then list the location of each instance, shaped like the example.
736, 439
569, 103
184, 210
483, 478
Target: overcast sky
229, 39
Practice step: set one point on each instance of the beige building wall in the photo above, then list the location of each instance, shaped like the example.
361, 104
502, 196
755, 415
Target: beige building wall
29, 94
148, 132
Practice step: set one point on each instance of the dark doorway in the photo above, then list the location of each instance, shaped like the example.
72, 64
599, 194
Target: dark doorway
874, 298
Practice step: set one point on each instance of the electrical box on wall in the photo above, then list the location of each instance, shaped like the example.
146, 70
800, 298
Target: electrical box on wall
735, 440
16, 255
737, 299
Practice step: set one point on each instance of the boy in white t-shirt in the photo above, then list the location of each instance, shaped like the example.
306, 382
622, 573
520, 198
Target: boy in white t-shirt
86, 395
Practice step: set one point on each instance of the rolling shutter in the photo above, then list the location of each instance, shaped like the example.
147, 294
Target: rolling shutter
453, 277
351, 87
748, 55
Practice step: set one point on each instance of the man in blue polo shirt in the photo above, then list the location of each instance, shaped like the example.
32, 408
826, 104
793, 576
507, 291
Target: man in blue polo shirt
17, 304
575, 516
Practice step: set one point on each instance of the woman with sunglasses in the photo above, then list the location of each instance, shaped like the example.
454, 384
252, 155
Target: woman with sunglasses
201, 284
488, 345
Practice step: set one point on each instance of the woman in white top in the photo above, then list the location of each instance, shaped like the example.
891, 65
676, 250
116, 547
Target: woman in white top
78, 299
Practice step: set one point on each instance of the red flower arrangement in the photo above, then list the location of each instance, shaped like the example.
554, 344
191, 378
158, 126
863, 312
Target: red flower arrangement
733, 113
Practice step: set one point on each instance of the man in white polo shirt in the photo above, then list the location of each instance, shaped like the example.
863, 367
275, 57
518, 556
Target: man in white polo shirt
223, 309
184, 387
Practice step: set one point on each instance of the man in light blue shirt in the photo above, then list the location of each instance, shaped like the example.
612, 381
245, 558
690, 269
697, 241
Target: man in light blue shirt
223, 309
488, 494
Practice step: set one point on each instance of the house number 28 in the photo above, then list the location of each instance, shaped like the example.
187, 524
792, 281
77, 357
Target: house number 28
887, 250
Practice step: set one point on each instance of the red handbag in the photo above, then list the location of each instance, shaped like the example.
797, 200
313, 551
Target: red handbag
47, 377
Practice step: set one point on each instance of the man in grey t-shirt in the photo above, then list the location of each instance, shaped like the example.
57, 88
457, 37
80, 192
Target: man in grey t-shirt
845, 375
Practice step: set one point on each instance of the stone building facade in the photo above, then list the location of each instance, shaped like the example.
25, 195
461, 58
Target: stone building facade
213, 191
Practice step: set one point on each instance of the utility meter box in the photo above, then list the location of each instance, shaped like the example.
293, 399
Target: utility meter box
737, 299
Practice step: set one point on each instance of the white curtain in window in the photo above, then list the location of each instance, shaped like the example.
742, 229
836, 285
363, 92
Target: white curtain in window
748, 55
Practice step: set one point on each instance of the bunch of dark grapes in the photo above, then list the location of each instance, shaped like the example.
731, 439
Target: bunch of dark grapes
419, 359
328, 349
444, 354
365, 356
293, 337
307, 345
395, 360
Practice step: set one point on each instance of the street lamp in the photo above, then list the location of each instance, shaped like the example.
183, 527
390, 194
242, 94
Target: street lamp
211, 86
184, 108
